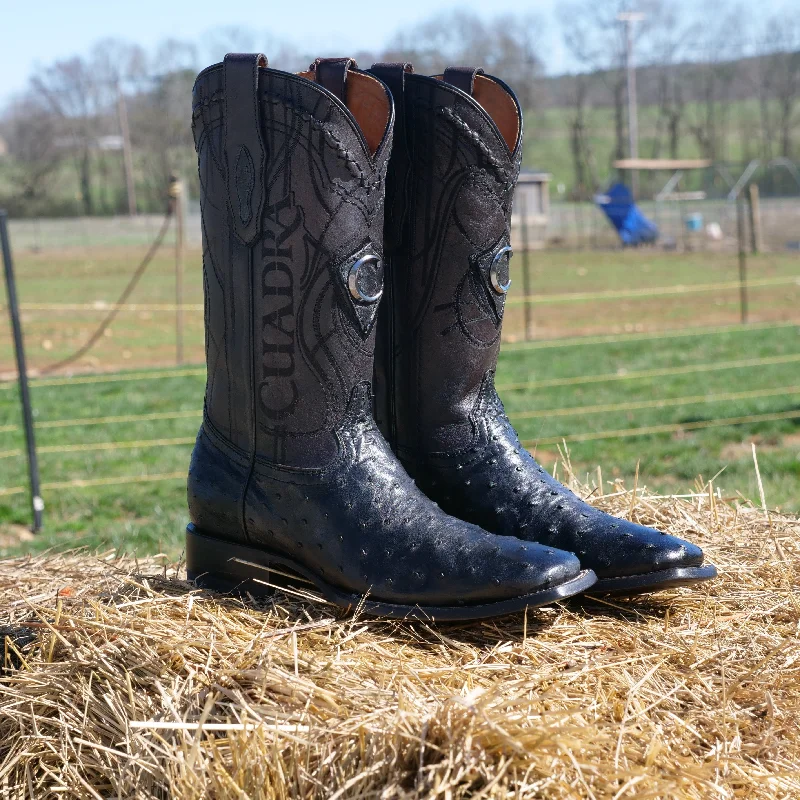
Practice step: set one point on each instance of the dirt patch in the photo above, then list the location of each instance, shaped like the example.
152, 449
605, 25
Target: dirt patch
735, 451
13, 535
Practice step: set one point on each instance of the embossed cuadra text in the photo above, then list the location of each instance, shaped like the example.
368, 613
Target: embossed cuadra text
278, 393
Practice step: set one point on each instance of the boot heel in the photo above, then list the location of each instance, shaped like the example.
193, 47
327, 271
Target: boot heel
230, 568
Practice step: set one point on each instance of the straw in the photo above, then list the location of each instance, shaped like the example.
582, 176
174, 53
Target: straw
123, 681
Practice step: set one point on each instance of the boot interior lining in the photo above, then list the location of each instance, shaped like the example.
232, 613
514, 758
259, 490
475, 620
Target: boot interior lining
499, 105
368, 102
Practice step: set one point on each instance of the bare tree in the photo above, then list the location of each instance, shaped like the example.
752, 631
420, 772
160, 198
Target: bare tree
160, 128
668, 46
777, 84
596, 39
586, 180
81, 93
69, 92
717, 41
691, 71
506, 46
30, 132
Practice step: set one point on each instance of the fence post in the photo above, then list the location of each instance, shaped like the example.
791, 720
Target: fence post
577, 218
754, 208
526, 266
176, 197
740, 231
22, 370
682, 223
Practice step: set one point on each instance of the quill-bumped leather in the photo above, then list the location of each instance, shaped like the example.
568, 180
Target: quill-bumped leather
450, 185
288, 458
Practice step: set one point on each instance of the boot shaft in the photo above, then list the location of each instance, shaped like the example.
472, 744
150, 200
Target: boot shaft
290, 480
292, 172
454, 165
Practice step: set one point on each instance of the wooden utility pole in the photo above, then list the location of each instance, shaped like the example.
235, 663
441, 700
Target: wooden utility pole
179, 210
127, 156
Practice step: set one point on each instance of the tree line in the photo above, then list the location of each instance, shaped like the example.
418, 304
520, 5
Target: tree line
722, 82
697, 68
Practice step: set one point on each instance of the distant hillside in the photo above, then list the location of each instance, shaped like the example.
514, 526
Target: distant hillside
742, 79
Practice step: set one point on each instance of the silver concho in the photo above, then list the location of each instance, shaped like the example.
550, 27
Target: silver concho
500, 288
352, 281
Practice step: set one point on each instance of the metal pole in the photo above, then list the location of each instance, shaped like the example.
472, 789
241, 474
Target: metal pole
754, 208
176, 197
682, 224
526, 268
742, 258
127, 156
22, 369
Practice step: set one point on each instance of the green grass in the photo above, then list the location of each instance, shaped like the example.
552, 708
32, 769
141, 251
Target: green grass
556, 272
97, 275
149, 517
669, 462
141, 337
146, 517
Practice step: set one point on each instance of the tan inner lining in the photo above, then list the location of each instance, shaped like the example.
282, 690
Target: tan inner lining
499, 105
368, 103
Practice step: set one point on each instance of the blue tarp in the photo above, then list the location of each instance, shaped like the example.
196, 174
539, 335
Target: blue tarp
632, 226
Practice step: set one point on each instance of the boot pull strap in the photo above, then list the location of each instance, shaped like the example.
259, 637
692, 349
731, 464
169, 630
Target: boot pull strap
332, 74
462, 77
393, 74
243, 145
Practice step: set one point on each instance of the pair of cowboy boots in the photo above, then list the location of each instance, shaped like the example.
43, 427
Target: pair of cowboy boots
356, 259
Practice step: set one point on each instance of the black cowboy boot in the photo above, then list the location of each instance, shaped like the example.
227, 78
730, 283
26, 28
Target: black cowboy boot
454, 165
290, 482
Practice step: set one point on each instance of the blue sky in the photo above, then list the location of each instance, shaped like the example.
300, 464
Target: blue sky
33, 34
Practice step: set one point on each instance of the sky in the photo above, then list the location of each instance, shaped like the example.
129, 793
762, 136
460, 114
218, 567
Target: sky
34, 34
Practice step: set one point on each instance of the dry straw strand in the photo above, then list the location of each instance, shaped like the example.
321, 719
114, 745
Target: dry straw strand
131, 683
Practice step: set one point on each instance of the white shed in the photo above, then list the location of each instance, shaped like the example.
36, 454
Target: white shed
531, 208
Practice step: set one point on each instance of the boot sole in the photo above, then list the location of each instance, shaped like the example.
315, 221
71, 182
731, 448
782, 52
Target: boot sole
653, 581
230, 568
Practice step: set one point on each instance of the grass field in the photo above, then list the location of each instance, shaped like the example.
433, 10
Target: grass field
149, 517
627, 359
65, 294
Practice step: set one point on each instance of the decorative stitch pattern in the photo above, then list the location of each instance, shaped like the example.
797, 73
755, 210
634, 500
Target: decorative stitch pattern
508, 177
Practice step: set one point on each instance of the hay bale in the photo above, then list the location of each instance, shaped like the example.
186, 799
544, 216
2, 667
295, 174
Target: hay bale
138, 686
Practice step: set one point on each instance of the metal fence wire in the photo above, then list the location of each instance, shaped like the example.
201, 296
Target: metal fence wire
104, 302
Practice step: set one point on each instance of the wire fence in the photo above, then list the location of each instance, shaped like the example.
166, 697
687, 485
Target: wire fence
550, 225
578, 411
707, 225
606, 408
75, 279
649, 430
71, 274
